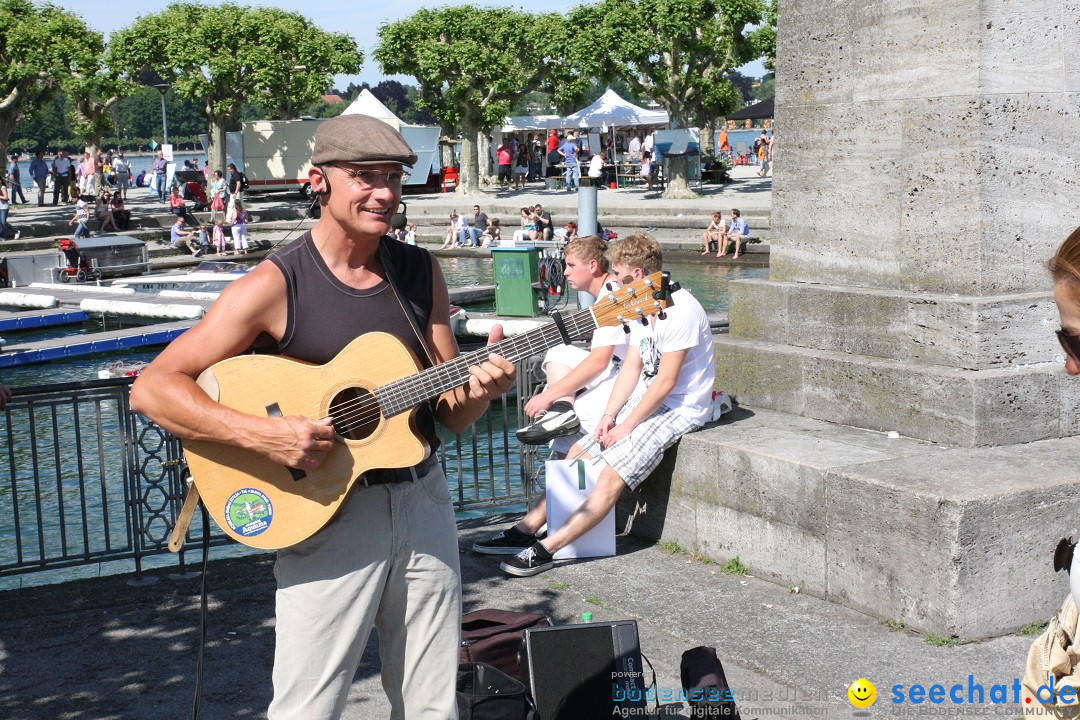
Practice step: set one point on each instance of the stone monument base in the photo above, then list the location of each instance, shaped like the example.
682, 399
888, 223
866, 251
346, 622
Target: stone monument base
950, 541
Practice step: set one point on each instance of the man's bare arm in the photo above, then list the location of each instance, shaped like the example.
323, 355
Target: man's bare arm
459, 408
166, 391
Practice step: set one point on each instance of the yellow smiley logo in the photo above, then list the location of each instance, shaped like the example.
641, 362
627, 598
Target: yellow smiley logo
862, 693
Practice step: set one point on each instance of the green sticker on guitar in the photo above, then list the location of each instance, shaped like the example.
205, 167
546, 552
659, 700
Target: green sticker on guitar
249, 512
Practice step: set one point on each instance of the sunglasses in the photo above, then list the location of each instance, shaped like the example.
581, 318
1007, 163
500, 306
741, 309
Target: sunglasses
1070, 344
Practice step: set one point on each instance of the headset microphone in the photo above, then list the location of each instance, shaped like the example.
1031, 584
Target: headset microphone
398, 221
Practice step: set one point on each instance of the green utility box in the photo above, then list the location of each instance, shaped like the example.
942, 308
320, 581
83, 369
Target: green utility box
516, 269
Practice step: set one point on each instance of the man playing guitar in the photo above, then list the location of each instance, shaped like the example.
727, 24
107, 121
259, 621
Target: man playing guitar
390, 558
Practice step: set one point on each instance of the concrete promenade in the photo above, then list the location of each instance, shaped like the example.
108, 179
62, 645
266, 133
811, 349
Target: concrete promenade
677, 224
107, 649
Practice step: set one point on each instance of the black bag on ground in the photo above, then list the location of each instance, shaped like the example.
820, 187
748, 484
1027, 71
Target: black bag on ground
486, 693
495, 637
706, 685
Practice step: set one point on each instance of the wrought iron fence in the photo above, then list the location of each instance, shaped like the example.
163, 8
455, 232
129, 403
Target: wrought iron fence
91, 482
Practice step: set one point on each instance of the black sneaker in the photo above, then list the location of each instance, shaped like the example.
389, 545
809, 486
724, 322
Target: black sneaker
508, 542
533, 560
559, 420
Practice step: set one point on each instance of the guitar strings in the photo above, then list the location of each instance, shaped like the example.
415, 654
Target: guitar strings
360, 411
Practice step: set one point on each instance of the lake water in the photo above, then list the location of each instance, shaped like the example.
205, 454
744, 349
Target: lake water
709, 283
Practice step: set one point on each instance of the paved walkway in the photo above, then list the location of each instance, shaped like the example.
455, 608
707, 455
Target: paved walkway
103, 648
625, 206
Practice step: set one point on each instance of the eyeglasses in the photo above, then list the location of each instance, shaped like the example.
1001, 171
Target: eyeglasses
368, 179
1070, 344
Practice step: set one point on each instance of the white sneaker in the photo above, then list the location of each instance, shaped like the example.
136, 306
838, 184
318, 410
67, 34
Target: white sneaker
559, 420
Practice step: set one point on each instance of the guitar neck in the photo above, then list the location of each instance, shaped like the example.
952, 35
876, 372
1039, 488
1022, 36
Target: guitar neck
408, 392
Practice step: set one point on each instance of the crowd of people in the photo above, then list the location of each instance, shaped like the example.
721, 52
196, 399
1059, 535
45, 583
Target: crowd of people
98, 185
518, 161
480, 231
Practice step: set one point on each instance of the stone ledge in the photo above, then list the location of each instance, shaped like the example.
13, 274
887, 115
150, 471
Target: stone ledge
970, 332
955, 542
961, 407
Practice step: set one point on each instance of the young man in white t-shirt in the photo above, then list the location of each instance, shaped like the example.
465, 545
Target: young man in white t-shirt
662, 392
579, 383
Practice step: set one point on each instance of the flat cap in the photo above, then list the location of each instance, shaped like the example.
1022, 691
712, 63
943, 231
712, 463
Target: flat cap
360, 139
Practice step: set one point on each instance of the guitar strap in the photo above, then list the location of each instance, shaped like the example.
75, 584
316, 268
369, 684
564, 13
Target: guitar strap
406, 306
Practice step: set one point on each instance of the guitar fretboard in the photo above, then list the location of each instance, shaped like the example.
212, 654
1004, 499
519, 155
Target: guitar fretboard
408, 392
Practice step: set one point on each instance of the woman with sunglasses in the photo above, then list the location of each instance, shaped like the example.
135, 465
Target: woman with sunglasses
1065, 268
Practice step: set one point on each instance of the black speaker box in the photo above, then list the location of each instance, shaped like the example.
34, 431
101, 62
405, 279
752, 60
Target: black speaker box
585, 672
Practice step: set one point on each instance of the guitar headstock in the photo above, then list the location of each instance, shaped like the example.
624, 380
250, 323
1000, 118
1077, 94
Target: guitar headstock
648, 296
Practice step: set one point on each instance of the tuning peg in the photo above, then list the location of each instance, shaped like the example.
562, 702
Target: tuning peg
631, 292
661, 315
644, 321
626, 328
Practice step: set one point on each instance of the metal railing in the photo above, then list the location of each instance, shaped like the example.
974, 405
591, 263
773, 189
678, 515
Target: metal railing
91, 483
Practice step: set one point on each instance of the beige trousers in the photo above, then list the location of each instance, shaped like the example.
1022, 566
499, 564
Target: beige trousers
389, 560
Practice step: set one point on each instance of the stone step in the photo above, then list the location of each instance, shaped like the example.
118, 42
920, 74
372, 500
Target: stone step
897, 528
997, 406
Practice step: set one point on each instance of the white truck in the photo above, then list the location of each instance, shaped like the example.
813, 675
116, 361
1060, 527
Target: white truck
276, 154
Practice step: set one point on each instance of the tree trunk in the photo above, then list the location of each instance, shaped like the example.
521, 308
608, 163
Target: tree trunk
447, 151
483, 157
678, 182
708, 133
7, 124
216, 151
467, 174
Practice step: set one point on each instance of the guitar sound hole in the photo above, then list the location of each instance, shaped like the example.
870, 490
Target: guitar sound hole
356, 413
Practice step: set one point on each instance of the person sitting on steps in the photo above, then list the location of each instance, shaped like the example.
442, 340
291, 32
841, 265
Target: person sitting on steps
738, 231
663, 391
713, 233
579, 381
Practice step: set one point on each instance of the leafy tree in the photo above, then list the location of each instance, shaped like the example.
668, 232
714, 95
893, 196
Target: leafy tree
42, 128
674, 51
415, 114
471, 64
393, 95
744, 83
766, 88
764, 38
32, 63
224, 55
93, 89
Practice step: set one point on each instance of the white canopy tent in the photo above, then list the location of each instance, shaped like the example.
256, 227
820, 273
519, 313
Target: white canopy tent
367, 104
611, 110
423, 140
517, 123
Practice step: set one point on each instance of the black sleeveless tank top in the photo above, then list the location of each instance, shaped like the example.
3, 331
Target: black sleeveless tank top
325, 314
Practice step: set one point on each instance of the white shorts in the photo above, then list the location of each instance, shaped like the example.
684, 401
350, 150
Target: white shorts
590, 401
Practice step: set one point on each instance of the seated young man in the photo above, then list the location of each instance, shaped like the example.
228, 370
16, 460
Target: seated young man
579, 381
673, 360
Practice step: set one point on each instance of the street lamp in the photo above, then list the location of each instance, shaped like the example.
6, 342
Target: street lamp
163, 88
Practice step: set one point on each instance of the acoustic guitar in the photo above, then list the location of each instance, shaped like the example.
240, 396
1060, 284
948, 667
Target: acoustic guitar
370, 389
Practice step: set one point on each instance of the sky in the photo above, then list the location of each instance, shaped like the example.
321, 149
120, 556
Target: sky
359, 18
